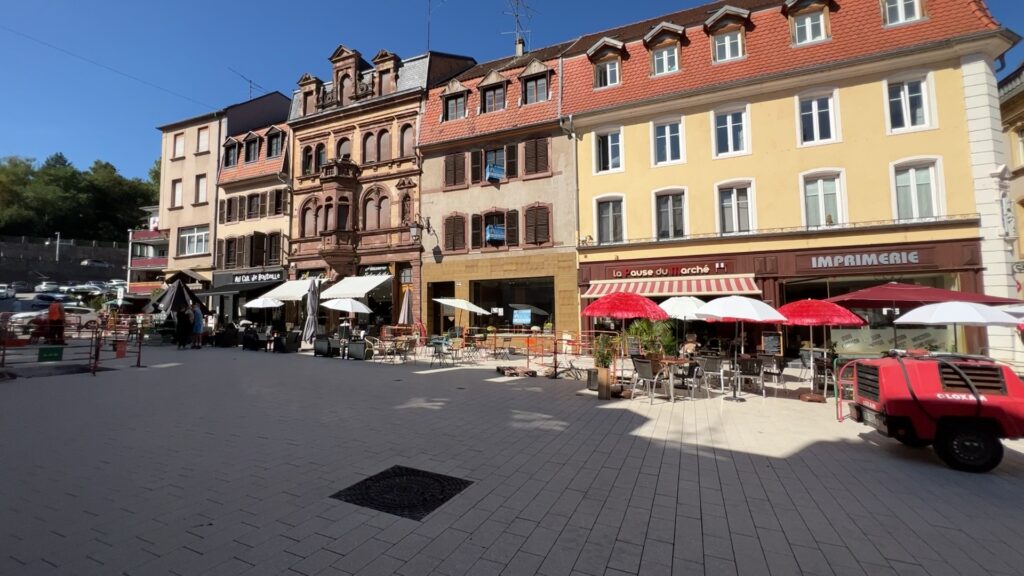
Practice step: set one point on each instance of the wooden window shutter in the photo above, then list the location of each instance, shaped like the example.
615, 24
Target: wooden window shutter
543, 225
531, 226
542, 154
511, 161
460, 232
220, 252
242, 250
221, 206
243, 207
530, 152
512, 228
475, 166
460, 169
449, 170
449, 233
476, 237
263, 204
259, 249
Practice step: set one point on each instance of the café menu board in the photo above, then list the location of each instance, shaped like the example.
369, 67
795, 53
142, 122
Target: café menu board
771, 342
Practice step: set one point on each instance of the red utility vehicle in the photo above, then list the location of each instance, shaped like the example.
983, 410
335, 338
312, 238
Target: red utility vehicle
961, 404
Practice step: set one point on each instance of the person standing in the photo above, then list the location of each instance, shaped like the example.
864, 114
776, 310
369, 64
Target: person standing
183, 326
197, 326
55, 321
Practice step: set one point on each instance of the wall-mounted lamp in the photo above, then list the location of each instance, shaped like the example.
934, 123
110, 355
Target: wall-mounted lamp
418, 226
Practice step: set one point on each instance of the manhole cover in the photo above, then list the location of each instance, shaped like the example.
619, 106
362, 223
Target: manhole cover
405, 492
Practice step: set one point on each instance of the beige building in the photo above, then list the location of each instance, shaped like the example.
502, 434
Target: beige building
1011, 104
190, 157
498, 192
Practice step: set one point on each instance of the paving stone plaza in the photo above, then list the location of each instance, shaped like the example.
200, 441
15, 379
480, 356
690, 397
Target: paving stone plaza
223, 462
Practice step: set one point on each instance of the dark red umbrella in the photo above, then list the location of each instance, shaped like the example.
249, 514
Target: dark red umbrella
625, 305
897, 295
811, 312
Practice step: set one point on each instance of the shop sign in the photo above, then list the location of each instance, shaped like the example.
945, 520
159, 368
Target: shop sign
660, 271
250, 277
864, 259
375, 270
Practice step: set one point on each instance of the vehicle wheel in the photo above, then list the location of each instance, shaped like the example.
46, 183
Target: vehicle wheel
970, 448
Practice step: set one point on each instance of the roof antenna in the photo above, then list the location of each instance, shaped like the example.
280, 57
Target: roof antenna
252, 84
519, 10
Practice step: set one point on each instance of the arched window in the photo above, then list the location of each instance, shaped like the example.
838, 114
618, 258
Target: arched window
407, 141
346, 89
368, 149
343, 214
384, 145
328, 224
318, 221
406, 209
344, 149
307, 161
308, 222
321, 157
384, 213
370, 214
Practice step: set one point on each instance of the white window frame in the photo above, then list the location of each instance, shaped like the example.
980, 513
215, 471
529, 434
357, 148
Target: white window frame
203, 193
841, 201
751, 204
740, 48
193, 233
669, 191
178, 145
804, 17
202, 146
938, 185
607, 65
666, 51
177, 193
681, 120
747, 138
837, 132
901, 9
927, 93
622, 150
596, 217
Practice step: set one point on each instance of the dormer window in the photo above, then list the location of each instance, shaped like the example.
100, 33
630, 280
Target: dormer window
455, 107
492, 99
902, 11
230, 154
665, 60
809, 27
252, 150
606, 73
274, 144
535, 89
728, 45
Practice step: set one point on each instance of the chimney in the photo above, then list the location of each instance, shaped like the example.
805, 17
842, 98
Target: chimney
520, 43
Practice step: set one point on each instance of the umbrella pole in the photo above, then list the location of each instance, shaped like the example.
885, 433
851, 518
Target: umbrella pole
735, 370
956, 347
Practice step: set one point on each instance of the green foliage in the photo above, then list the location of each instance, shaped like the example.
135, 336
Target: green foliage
604, 350
94, 204
655, 337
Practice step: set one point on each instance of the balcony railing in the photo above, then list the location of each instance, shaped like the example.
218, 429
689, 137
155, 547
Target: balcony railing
148, 235
154, 262
144, 287
592, 243
339, 169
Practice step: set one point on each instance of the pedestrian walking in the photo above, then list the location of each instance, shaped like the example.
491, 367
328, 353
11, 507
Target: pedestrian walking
197, 326
183, 327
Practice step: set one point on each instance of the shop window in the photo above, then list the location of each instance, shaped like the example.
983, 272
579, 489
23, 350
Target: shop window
817, 119
908, 104
609, 221
608, 151
731, 131
668, 142
670, 217
902, 11
343, 150
734, 209
822, 200
455, 233
916, 191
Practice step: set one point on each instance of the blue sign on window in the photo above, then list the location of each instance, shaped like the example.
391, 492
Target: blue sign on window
494, 172
494, 233
521, 317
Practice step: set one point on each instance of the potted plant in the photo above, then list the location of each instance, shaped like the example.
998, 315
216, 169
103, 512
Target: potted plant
653, 338
548, 326
604, 353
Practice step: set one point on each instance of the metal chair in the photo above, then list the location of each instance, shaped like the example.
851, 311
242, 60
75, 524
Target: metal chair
824, 376
751, 369
645, 378
713, 368
692, 378
442, 355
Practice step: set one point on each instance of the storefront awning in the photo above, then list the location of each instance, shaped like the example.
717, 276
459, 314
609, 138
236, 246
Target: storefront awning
718, 285
236, 288
354, 286
291, 291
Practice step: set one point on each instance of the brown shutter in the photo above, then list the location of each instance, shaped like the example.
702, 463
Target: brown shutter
476, 237
543, 225
243, 208
259, 249
475, 165
512, 228
460, 169
242, 252
511, 161
449, 233
220, 212
530, 152
542, 155
449, 170
460, 232
263, 203
531, 226
220, 253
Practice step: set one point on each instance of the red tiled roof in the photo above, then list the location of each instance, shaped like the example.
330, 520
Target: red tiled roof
263, 166
856, 31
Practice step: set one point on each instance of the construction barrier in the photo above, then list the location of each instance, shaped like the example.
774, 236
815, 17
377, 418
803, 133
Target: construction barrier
35, 342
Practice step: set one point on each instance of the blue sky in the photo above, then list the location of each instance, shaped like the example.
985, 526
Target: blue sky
55, 102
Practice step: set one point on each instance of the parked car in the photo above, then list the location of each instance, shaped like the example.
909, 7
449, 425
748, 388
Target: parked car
46, 286
81, 316
85, 290
21, 286
7, 291
117, 282
98, 283
42, 301
96, 263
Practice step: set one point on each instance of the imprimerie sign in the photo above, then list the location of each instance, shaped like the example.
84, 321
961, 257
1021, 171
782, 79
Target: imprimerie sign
865, 259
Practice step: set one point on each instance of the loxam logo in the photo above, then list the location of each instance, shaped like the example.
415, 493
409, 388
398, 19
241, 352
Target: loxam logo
948, 396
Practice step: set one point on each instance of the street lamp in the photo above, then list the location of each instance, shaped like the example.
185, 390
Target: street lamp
418, 226
56, 256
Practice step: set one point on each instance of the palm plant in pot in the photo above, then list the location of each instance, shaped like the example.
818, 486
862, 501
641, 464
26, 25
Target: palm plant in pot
654, 338
604, 354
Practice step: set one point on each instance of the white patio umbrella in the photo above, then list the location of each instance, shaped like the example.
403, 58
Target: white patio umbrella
264, 302
738, 309
957, 313
682, 307
347, 305
460, 304
312, 302
1013, 310
405, 313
